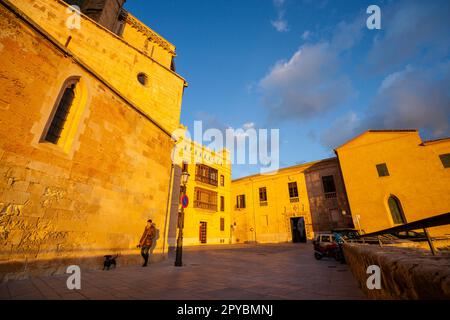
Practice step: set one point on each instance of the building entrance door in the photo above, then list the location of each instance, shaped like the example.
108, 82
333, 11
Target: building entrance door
298, 229
202, 232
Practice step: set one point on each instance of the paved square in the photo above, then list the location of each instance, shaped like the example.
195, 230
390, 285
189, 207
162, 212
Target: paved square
282, 271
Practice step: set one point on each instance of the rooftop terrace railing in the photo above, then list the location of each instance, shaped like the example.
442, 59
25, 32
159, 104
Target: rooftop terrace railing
436, 221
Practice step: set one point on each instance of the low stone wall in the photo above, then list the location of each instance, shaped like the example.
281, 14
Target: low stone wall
406, 273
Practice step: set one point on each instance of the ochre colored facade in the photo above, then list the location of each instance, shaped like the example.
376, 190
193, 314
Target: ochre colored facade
416, 177
416, 182
271, 216
110, 98
207, 218
91, 193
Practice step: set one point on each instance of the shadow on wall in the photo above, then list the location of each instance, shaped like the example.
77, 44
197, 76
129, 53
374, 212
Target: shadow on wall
155, 241
17, 270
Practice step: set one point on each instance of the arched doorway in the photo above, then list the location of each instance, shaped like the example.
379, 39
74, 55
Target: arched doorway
396, 210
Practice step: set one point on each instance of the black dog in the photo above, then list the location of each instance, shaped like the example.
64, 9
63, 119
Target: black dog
109, 262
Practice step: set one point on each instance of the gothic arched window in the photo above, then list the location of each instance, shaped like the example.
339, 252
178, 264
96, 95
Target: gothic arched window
65, 120
396, 210
62, 111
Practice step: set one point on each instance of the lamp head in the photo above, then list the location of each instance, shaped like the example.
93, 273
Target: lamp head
184, 178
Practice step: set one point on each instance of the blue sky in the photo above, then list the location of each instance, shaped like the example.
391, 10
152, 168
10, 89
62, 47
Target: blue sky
309, 68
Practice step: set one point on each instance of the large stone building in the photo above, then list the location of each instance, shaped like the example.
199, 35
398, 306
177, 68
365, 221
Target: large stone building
207, 217
291, 204
88, 106
380, 179
393, 177
85, 137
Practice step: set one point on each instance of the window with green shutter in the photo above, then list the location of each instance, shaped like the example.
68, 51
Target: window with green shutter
382, 170
445, 159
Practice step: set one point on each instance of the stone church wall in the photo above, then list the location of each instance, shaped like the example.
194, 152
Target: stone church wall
60, 208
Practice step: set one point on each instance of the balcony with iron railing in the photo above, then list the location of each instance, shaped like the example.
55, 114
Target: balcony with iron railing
330, 195
205, 205
207, 180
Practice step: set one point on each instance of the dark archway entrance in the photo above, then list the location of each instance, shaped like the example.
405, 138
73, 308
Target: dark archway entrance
298, 230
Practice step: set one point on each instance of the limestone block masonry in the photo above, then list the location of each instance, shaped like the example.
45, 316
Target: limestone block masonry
116, 59
60, 208
406, 273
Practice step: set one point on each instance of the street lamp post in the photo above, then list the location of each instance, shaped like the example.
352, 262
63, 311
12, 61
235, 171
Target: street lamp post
179, 254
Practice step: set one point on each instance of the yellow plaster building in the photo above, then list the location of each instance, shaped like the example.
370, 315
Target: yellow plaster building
86, 114
290, 204
207, 217
393, 177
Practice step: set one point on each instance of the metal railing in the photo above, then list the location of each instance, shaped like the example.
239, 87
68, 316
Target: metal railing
330, 195
205, 205
294, 199
207, 180
424, 224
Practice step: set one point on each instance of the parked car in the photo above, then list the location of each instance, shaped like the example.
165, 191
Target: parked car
353, 235
325, 245
347, 234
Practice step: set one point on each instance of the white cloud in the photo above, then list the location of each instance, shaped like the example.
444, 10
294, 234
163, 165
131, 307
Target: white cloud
390, 80
306, 35
414, 47
347, 35
210, 121
249, 125
341, 130
411, 29
412, 98
306, 85
280, 24
311, 82
242, 132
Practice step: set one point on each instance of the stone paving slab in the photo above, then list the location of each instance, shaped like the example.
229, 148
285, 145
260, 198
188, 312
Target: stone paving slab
236, 272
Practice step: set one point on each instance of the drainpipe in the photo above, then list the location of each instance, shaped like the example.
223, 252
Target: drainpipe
254, 213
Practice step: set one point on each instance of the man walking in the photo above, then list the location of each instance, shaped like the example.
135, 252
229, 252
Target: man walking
147, 240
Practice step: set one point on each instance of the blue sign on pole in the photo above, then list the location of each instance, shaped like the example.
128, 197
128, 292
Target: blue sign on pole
184, 201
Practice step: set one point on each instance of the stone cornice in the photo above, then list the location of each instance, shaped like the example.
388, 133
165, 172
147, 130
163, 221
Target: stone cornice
150, 34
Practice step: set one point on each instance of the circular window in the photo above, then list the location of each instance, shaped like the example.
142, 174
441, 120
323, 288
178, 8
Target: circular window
142, 78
